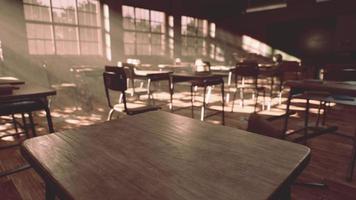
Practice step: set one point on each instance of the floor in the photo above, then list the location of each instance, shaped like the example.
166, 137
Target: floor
331, 153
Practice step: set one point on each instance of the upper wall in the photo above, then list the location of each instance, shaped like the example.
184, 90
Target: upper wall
316, 32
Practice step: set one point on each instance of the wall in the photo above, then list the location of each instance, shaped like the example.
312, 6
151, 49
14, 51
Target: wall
316, 32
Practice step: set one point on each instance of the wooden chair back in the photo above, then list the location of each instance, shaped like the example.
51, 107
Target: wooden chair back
247, 70
115, 79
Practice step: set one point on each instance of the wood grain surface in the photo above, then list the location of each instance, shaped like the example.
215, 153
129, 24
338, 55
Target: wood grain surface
159, 155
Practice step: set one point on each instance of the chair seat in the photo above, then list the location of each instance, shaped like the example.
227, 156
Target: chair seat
137, 110
8, 108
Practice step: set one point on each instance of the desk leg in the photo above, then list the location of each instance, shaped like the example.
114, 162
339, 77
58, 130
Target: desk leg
306, 120
50, 194
49, 120
202, 114
171, 90
191, 99
223, 103
353, 159
286, 194
285, 126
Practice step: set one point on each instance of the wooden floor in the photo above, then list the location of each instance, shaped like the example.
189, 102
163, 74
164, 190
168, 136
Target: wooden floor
331, 153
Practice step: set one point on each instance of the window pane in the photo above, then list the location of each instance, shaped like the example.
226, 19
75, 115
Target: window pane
143, 38
90, 48
157, 39
37, 13
128, 11
212, 30
129, 24
40, 47
142, 25
67, 48
64, 16
38, 2
65, 4
66, 33
157, 16
39, 31
129, 37
157, 27
88, 19
89, 6
89, 34
143, 49
129, 49
202, 28
142, 14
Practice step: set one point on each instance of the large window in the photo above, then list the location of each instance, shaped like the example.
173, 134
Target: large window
144, 31
63, 27
194, 35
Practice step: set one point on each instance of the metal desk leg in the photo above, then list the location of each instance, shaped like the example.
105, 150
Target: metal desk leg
223, 103
50, 194
285, 126
306, 121
49, 120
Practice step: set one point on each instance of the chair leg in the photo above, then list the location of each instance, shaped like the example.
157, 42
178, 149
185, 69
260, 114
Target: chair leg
280, 98
223, 103
15, 124
306, 121
110, 114
171, 91
285, 125
192, 99
208, 95
353, 160
149, 90
120, 98
32, 124
233, 100
242, 97
25, 125
319, 113
264, 100
49, 120
326, 108
202, 114
256, 102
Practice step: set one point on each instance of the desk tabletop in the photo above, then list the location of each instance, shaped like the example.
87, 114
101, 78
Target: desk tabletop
10, 81
151, 72
28, 91
159, 155
333, 87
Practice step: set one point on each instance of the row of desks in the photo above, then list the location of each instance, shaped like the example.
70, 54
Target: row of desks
160, 155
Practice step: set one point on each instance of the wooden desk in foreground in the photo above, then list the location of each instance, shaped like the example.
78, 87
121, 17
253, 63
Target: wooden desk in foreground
159, 155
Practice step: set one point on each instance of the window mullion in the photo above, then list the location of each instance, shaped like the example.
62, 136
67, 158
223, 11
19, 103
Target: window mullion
53, 28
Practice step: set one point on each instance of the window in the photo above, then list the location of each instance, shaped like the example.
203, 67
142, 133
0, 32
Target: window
171, 36
63, 27
194, 34
144, 31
